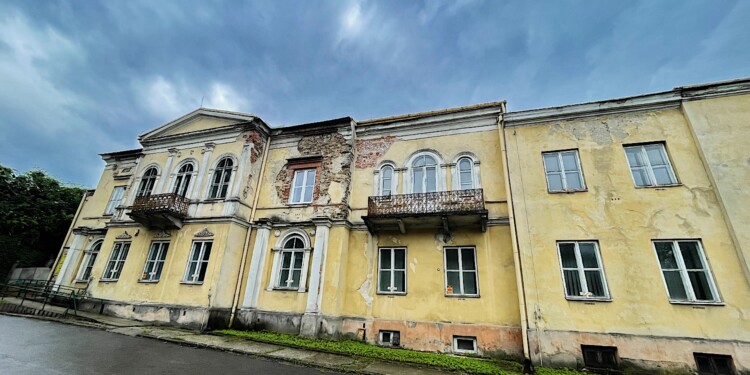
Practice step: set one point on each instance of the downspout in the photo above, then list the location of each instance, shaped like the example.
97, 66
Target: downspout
246, 246
514, 239
67, 236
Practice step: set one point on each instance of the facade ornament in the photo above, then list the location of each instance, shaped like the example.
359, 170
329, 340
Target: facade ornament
124, 236
277, 233
163, 234
209, 146
174, 152
204, 233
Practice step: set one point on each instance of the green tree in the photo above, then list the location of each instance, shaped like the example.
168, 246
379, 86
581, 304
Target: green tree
35, 214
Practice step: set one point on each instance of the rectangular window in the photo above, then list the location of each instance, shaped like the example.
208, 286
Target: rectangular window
198, 262
302, 186
685, 271
290, 272
390, 338
392, 270
714, 364
563, 169
461, 271
599, 357
583, 274
155, 261
466, 344
650, 165
116, 261
115, 199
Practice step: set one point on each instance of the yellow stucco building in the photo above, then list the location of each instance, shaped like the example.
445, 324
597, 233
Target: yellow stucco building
597, 234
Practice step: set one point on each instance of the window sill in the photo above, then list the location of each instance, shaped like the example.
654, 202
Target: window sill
591, 299
191, 283
148, 281
462, 295
567, 191
300, 204
659, 187
295, 290
213, 200
697, 303
108, 280
80, 281
390, 293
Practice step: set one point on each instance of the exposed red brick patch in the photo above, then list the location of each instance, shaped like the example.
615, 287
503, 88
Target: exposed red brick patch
369, 151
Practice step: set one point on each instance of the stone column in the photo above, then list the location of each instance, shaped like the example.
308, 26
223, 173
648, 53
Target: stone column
244, 159
258, 259
68, 266
203, 169
310, 321
167, 171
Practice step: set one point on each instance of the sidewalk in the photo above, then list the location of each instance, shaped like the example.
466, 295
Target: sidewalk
134, 328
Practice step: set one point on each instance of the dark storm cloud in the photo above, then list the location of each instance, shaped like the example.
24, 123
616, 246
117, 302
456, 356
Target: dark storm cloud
80, 78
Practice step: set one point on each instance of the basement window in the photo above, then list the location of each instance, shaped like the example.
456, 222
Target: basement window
714, 364
465, 344
600, 357
390, 338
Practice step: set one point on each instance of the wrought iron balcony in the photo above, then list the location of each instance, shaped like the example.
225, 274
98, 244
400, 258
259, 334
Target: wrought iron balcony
164, 211
443, 209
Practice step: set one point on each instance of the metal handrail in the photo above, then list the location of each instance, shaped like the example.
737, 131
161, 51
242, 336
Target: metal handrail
43, 291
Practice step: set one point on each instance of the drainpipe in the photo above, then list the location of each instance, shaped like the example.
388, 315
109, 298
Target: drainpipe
514, 238
246, 246
67, 236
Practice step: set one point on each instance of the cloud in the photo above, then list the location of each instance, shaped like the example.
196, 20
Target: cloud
167, 100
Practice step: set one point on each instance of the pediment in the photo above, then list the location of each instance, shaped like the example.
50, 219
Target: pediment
196, 122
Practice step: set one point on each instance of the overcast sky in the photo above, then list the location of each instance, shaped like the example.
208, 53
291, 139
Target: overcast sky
78, 78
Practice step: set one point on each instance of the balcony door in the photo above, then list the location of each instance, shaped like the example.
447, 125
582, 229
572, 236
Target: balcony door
424, 174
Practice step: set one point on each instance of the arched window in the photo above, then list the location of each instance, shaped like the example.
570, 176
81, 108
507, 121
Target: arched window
424, 174
386, 180
465, 174
182, 181
147, 183
222, 175
292, 256
89, 258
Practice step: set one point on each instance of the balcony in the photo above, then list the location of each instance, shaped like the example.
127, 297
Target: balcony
162, 211
445, 210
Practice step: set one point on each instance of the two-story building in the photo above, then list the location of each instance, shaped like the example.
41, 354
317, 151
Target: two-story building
608, 234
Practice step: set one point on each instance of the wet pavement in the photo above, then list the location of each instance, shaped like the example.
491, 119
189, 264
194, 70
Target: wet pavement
30, 346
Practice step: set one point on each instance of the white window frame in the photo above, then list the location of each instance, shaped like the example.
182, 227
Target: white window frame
472, 173
89, 258
392, 271
683, 271
562, 171
116, 261
648, 167
436, 167
147, 184
585, 293
392, 334
304, 185
159, 251
180, 177
381, 181
201, 261
274, 281
222, 172
473, 339
460, 270
118, 194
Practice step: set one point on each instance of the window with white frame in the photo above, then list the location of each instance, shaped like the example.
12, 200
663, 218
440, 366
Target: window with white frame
147, 182
114, 200
466, 179
464, 344
424, 174
182, 180
116, 261
89, 257
685, 271
583, 274
386, 180
563, 170
392, 270
302, 186
197, 265
222, 176
292, 258
649, 165
155, 261
461, 271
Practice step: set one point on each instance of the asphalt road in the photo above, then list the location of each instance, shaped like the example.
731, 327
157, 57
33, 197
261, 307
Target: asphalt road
30, 346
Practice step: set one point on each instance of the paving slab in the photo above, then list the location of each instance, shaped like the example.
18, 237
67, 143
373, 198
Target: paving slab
381, 367
242, 346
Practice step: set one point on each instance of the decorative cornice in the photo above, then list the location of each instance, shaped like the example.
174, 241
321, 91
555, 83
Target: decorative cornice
162, 234
124, 236
204, 233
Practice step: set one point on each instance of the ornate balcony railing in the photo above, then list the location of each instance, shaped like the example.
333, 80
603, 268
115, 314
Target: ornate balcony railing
437, 203
161, 203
